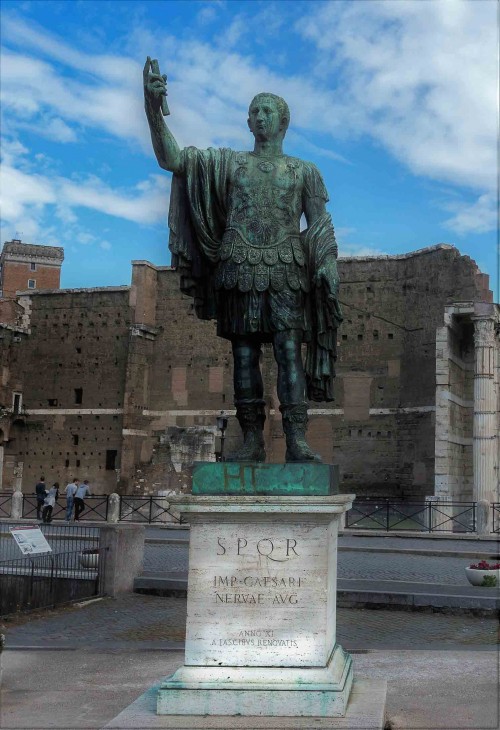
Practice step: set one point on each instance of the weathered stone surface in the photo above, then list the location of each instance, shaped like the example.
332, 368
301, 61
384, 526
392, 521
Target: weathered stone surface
261, 595
254, 478
366, 709
258, 691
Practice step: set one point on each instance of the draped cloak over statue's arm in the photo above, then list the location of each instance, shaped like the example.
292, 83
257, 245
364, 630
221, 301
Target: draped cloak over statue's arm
320, 245
197, 221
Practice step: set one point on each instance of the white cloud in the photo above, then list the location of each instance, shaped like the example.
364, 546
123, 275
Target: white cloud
147, 204
478, 217
359, 250
27, 197
35, 92
57, 130
420, 77
20, 191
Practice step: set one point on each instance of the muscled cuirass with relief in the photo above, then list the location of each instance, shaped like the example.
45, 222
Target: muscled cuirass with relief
261, 247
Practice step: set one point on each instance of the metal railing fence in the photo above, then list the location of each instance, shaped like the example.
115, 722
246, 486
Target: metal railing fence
380, 513
48, 580
495, 508
96, 508
5, 504
431, 516
147, 509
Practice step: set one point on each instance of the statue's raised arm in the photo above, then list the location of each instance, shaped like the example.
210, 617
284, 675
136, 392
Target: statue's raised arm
155, 91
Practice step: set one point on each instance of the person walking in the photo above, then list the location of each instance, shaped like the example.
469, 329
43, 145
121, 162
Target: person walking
41, 493
70, 492
82, 491
49, 502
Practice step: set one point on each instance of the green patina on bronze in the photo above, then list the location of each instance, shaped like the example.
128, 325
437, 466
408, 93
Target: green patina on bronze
215, 478
236, 242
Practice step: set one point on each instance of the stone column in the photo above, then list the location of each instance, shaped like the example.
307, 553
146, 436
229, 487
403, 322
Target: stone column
485, 425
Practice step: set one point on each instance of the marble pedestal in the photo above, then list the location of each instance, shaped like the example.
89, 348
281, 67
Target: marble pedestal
260, 633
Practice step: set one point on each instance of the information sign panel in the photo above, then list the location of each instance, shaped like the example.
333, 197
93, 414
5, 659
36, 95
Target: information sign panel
30, 540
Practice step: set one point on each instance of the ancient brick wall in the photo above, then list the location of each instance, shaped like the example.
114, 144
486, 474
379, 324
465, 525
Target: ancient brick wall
132, 372
393, 307
71, 370
181, 373
381, 426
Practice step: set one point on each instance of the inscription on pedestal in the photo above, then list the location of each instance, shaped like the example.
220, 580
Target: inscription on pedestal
259, 594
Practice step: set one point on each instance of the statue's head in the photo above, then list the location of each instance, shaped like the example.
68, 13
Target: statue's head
268, 116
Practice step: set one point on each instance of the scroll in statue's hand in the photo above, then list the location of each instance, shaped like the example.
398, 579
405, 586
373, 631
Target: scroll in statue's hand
155, 87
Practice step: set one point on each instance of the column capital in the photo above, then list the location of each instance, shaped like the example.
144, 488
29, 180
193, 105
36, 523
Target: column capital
484, 331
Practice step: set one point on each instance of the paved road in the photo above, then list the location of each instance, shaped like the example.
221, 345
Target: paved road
152, 622
360, 558
356, 565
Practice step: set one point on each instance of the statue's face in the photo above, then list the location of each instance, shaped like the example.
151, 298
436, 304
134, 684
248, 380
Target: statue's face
264, 119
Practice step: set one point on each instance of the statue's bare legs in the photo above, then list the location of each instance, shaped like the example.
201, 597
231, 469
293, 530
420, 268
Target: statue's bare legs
248, 391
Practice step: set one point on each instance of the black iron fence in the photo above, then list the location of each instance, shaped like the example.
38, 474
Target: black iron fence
496, 517
48, 580
74, 570
5, 504
375, 513
96, 508
147, 509
430, 516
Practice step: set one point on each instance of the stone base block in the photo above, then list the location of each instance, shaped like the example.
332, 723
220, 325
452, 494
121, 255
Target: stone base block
260, 691
251, 478
365, 709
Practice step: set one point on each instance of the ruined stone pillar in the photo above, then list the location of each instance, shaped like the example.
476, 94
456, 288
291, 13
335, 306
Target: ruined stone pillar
485, 425
16, 511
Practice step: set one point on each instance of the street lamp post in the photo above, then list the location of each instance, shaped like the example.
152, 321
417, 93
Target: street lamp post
222, 425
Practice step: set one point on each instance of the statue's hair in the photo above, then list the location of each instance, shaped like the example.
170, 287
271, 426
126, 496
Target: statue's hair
283, 109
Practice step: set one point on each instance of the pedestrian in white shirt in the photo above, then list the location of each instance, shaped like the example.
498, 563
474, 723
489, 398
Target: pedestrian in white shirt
82, 491
70, 492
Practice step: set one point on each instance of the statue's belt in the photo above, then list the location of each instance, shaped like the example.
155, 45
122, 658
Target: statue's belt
286, 250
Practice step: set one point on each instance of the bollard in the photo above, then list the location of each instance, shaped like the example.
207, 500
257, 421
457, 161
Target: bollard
114, 507
483, 517
16, 511
122, 547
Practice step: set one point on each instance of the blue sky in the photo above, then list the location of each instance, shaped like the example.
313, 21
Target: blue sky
395, 102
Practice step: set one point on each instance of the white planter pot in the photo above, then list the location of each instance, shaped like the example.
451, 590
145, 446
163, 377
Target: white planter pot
89, 560
475, 576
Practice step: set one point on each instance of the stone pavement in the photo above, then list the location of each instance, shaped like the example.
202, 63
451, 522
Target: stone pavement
86, 664
153, 622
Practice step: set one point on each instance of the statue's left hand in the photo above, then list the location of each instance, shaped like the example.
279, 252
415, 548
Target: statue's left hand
328, 275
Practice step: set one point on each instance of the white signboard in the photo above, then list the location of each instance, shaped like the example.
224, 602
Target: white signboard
30, 540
